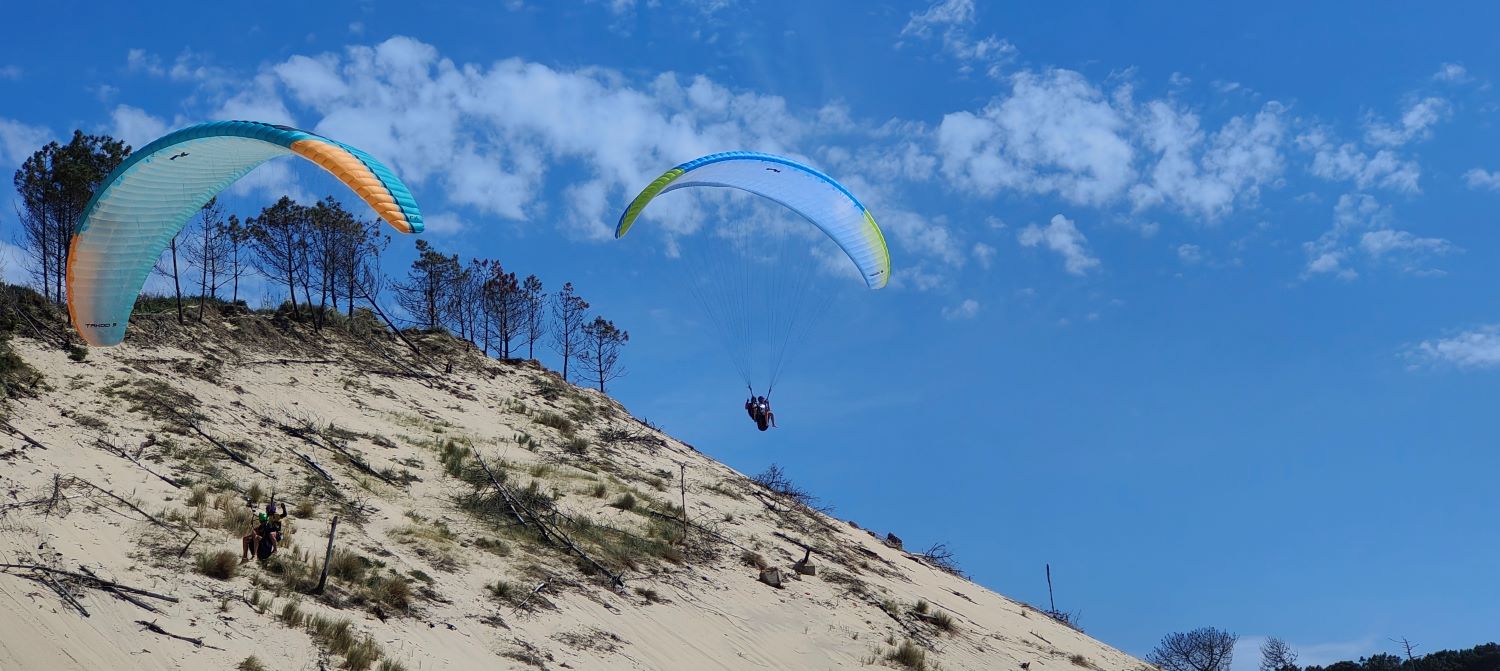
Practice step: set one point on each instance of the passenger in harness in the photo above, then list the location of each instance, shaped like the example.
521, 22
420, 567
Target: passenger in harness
264, 536
759, 410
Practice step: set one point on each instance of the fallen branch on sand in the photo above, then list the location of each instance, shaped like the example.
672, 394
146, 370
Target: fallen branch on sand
116, 497
289, 362
307, 429
312, 464
91, 580
152, 626
119, 594
194, 424
12, 430
107, 447
548, 533
534, 592
63, 592
38, 502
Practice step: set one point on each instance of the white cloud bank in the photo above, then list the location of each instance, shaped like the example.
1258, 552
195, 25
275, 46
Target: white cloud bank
1062, 237
1477, 348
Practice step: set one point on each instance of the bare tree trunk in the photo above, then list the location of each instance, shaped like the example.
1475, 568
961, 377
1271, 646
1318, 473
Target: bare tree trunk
176, 282
203, 276
327, 557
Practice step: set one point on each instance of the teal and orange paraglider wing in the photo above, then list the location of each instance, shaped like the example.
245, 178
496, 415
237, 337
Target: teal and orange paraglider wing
145, 202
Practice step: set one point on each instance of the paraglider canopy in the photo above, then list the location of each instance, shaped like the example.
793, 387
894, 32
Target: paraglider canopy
762, 296
146, 201
803, 189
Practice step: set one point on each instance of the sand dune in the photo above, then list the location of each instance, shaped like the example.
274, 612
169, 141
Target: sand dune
696, 603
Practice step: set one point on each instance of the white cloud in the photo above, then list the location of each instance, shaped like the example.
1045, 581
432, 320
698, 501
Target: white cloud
965, 310
929, 237
1190, 254
1479, 178
18, 141
1416, 123
11, 72
135, 126
443, 223
1063, 237
257, 100
1383, 242
626, 7
1202, 174
1226, 87
1451, 72
917, 277
357, 28
952, 21
1345, 162
137, 60
1475, 348
1363, 230
984, 254
488, 135
1054, 133
188, 67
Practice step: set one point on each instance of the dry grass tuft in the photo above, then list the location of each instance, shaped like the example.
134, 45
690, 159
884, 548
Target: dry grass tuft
909, 655
220, 565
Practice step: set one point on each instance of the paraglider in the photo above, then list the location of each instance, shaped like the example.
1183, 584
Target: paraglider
150, 197
764, 306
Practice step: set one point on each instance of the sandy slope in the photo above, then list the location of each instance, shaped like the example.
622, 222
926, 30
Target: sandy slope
710, 611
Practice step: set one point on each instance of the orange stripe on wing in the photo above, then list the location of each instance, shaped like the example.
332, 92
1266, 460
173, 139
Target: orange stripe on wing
73, 297
353, 173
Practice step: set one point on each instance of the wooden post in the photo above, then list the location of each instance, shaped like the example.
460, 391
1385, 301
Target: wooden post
1050, 601
328, 557
682, 479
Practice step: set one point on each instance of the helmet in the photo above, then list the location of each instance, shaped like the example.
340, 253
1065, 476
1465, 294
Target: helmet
262, 517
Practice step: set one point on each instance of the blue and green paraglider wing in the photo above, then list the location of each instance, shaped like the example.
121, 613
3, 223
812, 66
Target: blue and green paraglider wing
804, 190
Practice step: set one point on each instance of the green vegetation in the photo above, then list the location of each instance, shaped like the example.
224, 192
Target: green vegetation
909, 655
505, 591
197, 496
626, 502
577, 446
305, 509
348, 566
454, 457
754, 560
291, 613
220, 564
494, 546
556, 421
251, 663
1485, 657
942, 620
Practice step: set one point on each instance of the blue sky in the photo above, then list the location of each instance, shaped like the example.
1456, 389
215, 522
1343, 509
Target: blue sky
1194, 303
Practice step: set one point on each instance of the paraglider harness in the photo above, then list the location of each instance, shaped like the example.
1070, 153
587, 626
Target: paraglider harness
759, 408
265, 544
